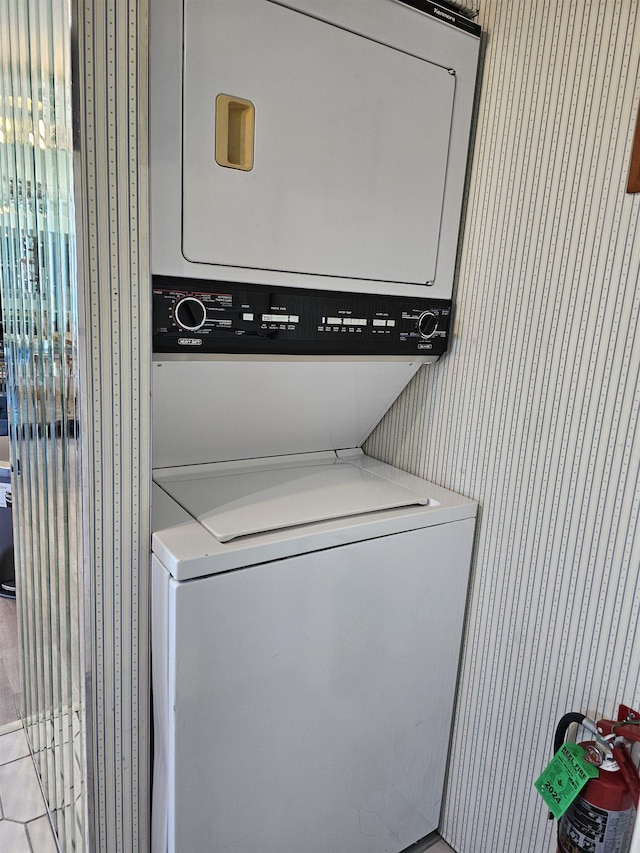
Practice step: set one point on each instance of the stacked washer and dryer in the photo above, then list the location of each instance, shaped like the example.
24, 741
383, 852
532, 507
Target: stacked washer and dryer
307, 172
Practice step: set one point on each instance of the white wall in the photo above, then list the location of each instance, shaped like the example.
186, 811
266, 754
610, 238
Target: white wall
534, 412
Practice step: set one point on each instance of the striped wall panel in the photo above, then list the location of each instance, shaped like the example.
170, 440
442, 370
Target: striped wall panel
468, 7
534, 412
111, 145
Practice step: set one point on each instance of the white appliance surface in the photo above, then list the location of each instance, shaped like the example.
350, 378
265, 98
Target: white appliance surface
303, 701
260, 498
189, 549
351, 131
225, 408
361, 136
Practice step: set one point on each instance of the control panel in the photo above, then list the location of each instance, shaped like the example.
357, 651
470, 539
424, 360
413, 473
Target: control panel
192, 315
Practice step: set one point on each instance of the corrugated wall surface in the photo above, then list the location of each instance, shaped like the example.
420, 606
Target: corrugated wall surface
468, 7
111, 145
535, 410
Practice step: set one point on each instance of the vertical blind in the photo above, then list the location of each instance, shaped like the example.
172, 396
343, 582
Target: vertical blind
38, 287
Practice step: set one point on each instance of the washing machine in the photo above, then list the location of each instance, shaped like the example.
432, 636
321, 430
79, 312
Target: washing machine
307, 616
307, 174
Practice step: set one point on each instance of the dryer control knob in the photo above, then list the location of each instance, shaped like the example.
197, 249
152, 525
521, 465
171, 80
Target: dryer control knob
427, 324
190, 313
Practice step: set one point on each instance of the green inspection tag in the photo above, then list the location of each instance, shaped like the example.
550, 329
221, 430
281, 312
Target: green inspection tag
564, 777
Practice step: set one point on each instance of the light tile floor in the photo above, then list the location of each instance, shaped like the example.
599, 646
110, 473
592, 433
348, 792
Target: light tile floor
24, 823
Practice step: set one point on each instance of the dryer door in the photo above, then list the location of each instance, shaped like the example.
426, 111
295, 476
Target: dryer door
309, 148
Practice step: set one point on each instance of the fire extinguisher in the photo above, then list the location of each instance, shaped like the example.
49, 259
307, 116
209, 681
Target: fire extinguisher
599, 819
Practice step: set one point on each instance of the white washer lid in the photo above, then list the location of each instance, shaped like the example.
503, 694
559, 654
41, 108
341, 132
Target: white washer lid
232, 501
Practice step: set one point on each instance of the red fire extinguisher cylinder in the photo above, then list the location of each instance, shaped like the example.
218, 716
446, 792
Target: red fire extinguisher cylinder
600, 818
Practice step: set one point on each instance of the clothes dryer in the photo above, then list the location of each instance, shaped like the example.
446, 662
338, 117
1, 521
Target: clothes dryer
310, 144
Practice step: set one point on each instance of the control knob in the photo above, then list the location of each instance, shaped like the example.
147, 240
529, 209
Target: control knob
190, 313
427, 324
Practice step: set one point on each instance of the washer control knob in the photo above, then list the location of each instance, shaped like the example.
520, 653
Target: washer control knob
427, 324
190, 313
